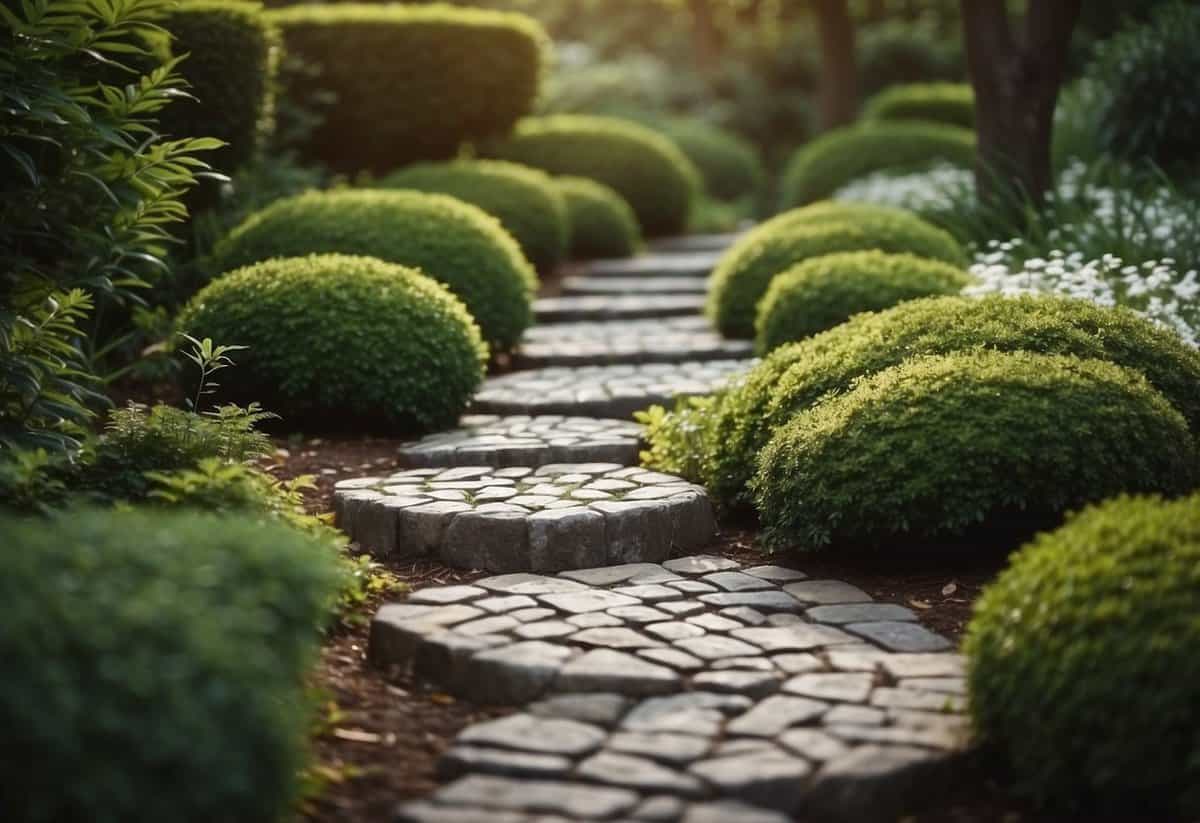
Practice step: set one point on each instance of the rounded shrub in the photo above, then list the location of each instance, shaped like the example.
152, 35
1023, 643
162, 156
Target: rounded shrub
410, 82
601, 223
745, 271
343, 342
453, 242
936, 445
838, 157
950, 103
1082, 662
728, 165
524, 200
820, 293
148, 654
645, 168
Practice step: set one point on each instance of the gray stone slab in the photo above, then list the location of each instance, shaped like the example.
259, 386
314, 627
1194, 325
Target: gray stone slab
676, 263
900, 636
797, 637
529, 584
571, 799
541, 735
581, 285
617, 637
677, 749
768, 600
700, 564
728, 811
845, 687
607, 670
658, 340
776, 574
876, 783
621, 573
773, 781
660, 808
673, 658
460, 760
774, 714
924, 665
696, 713
529, 441
822, 592
813, 745
752, 684
734, 581
441, 595
860, 613
629, 771
745, 614
515, 673
599, 709
714, 647
598, 308
690, 243
591, 600
917, 699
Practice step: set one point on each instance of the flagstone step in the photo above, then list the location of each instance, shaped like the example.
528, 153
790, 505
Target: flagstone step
658, 340
615, 307
677, 264
582, 285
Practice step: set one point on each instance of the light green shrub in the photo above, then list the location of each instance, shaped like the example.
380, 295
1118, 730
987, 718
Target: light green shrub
728, 165
601, 223
949, 103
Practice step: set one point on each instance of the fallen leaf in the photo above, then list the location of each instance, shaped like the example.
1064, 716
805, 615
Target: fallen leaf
949, 589
356, 735
919, 604
441, 699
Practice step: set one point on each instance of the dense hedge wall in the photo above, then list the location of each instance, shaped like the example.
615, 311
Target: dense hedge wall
453, 242
949, 103
939, 444
1082, 663
728, 165
601, 223
525, 200
412, 82
155, 665
343, 342
645, 168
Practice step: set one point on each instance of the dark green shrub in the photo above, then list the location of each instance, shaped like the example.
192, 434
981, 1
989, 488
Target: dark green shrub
901, 51
147, 655
825, 291
728, 165
453, 242
601, 223
838, 157
524, 200
745, 272
340, 342
412, 82
1082, 662
645, 168
950, 103
938, 444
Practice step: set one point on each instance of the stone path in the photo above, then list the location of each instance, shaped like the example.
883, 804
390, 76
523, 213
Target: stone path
521, 440
691, 690
653, 264
600, 307
655, 340
694, 243
582, 285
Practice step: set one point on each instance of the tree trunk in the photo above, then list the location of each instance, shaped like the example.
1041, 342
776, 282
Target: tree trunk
839, 73
705, 37
1016, 85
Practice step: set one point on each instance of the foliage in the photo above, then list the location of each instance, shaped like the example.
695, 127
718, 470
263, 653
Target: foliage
453, 242
745, 272
410, 82
678, 438
820, 293
950, 103
1081, 661
728, 165
936, 445
645, 168
151, 653
601, 223
893, 52
365, 582
524, 200
344, 342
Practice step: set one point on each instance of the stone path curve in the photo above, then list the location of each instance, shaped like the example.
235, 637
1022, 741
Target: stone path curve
654, 340
615, 307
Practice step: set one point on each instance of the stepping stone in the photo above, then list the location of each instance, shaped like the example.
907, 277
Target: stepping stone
597, 709
628, 771
540, 735
700, 564
599, 308
860, 613
542, 526
659, 340
826, 591
900, 636
608, 670
652, 265
775, 714
615, 391
661, 284
769, 780
671, 748
462, 760
694, 243
573, 800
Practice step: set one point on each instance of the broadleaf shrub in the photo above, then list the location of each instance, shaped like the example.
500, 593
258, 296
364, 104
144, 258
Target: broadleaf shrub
936, 445
645, 168
950, 103
341, 342
524, 200
601, 223
1082, 665
728, 165
151, 653
453, 242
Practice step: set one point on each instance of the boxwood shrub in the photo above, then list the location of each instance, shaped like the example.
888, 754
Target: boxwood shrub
1082, 662
525, 200
819, 294
939, 444
343, 342
149, 655
411, 82
601, 223
823, 166
728, 165
950, 103
645, 168
453, 242
745, 272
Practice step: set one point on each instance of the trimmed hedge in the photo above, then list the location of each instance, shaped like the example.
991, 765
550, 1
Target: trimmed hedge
645, 168
343, 342
825, 291
745, 272
949, 103
1082, 662
938, 444
601, 223
453, 242
728, 165
147, 655
412, 82
524, 200
840, 156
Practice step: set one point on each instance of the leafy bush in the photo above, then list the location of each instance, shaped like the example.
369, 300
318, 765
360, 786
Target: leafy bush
453, 242
825, 291
728, 165
149, 654
1082, 664
836, 158
601, 223
524, 200
412, 82
950, 103
939, 444
898, 51
647, 169
745, 272
344, 342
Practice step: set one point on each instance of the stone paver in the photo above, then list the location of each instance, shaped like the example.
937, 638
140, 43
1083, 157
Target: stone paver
659, 340
583, 285
692, 263
601, 307
602, 391
690, 243
555, 517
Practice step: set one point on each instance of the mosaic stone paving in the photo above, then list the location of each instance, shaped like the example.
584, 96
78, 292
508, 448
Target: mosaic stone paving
659, 340
602, 391
521, 440
678, 264
598, 307
634, 285
691, 690
556, 517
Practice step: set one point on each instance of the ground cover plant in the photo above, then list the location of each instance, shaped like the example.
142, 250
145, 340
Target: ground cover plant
601, 223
